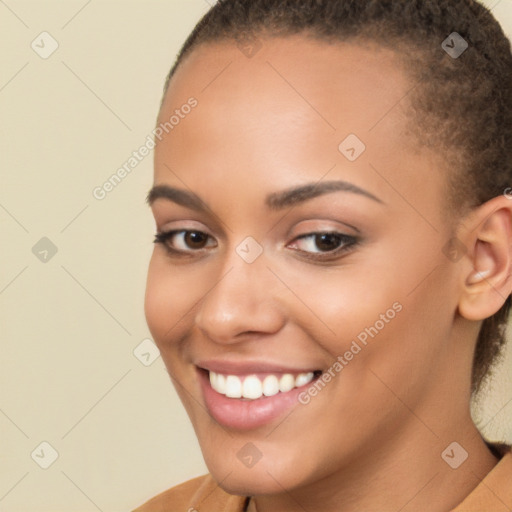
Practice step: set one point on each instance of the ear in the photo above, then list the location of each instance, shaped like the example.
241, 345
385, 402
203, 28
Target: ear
488, 240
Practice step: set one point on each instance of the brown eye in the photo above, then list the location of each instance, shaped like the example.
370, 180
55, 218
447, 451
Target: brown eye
185, 241
327, 241
195, 239
323, 243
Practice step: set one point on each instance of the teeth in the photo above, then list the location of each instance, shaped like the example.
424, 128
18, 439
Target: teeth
252, 388
286, 383
233, 387
221, 383
303, 378
270, 385
213, 379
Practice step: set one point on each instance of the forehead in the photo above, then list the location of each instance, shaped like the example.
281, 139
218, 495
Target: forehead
354, 79
284, 111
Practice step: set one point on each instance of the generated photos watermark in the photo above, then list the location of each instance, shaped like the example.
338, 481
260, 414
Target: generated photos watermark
100, 192
355, 348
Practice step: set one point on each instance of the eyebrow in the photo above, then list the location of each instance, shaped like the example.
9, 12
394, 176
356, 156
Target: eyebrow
176, 195
293, 196
275, 201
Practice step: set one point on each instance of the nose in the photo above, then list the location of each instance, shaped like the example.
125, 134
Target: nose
242, 302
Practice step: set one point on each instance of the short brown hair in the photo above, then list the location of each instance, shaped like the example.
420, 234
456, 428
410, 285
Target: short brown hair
462, 105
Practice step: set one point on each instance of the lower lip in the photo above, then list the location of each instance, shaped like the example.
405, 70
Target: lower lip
242, 414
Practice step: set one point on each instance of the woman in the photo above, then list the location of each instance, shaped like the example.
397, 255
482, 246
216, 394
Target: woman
331, 278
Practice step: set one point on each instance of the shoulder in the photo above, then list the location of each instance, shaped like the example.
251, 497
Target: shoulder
178, 496
201, 493
495, 489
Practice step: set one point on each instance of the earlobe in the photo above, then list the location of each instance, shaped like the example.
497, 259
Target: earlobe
488, 283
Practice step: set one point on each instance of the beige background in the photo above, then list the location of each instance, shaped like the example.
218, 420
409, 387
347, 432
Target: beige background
70, 325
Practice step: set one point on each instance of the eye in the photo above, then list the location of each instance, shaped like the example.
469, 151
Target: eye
185, 241
322, 243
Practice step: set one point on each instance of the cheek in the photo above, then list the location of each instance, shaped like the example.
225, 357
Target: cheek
335, 305
406, 337
390, 306
170, 294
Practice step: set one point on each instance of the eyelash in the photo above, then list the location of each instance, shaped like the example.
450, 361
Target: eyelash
348, 243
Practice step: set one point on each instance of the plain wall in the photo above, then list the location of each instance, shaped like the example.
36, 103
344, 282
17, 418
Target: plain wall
70, 325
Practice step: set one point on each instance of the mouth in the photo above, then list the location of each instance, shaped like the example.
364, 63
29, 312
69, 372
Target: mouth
245, 400
255, 386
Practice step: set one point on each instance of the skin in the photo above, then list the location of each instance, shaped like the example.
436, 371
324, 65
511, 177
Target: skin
372, 438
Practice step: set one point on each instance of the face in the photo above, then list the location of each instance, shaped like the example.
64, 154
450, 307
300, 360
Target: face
300, 273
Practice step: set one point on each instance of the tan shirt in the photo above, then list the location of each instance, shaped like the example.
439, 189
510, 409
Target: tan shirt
202, 494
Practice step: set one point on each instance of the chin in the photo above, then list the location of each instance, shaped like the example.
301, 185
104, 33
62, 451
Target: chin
270, 475
253, 482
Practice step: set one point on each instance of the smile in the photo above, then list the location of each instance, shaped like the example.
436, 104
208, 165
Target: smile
253, 387
250, 396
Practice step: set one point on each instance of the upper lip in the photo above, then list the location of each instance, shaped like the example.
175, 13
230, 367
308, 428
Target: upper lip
249, 367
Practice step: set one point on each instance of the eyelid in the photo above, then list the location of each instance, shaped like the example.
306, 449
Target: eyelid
306, 228
183, 225
163, 237
309, 234
349, 242
312, 226
167, 214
